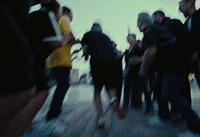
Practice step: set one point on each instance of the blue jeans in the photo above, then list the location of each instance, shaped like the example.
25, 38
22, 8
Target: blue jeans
167, 87
62, 78
139, 83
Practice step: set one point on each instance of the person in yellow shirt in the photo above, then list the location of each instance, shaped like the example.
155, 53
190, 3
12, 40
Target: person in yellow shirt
60, 64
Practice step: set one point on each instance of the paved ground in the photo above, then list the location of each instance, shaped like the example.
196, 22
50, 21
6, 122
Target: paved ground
78, 119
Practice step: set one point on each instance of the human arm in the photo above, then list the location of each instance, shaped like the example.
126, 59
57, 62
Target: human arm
85, 45
85, 51
65, 29
147, 59
76, 51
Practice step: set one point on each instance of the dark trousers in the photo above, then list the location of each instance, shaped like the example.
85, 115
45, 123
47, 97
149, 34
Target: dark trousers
151, 74
185, 93
138, 84
167, 87
119, 89
119, 83
62, 78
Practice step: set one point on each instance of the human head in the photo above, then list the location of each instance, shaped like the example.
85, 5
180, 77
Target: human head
131, 38
96, 27
68, 12
158, 16
186, 7
143, 20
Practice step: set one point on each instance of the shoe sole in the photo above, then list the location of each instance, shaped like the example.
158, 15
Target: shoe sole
101, 126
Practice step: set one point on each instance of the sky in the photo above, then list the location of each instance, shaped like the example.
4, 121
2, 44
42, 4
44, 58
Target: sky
115, 16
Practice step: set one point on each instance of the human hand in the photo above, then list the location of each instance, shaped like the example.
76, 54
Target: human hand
67, 38
133, 61
138, 44
77, 41
131, 39
119, 54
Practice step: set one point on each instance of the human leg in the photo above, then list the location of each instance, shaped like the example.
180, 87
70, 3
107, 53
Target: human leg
110, 83
136, 96
59, 94
128, 83
142, 82
172, 83
163, 109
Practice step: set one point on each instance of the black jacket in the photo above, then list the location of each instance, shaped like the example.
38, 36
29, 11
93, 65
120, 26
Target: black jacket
182, 34
193, 25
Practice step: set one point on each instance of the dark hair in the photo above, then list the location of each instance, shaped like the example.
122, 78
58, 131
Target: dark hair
145, 18
66, 9
193, 3
159, 12
52, 5
96, 27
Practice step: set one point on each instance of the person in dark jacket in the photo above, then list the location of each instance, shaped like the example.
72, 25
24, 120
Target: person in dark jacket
187, 7
172, 62
104, 66
183, 36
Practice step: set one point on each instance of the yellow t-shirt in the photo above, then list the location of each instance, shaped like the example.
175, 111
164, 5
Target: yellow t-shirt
61, 56
190, 76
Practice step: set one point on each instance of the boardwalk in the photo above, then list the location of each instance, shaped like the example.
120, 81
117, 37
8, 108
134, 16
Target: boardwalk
78, 119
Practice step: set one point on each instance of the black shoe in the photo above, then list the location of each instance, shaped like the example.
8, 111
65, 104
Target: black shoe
165, 117
193, 128
147, 111
52, 115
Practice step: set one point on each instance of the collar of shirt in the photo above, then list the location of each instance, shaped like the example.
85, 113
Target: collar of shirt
146, 29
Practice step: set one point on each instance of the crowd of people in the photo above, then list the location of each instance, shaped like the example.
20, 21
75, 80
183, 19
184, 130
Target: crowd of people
35, 42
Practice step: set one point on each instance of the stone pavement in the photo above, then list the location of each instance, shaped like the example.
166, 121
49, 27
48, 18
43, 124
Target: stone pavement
78, 119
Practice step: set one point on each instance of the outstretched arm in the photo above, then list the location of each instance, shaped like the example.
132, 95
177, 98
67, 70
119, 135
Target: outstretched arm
76, 51
85, 51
